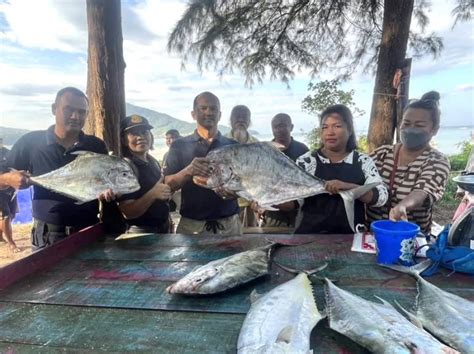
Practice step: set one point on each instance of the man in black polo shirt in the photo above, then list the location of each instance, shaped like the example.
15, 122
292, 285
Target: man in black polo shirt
282, 128
39, 152
202, 210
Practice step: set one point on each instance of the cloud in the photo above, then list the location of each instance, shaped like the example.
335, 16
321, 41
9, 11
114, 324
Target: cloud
26, 89
44, 48
465, 87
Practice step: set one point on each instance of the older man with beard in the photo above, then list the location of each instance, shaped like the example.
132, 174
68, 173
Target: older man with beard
240, 122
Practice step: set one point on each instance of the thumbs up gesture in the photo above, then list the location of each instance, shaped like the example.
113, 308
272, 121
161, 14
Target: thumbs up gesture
162, 191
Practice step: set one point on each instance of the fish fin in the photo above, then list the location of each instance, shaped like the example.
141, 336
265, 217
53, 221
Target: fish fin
254, 296
275, 145
307, 271
350, 195
84, 153
385, 302
285, 334
415, 270
413, 319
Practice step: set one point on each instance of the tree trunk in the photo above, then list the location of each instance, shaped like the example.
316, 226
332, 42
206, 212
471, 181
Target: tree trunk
105, 77
396, 27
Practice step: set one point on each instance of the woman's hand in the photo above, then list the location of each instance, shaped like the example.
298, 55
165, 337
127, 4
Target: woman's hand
161, 191
334, 186
398, 212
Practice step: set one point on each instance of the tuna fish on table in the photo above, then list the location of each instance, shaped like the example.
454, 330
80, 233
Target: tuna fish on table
260, 172
225, 273
88, 175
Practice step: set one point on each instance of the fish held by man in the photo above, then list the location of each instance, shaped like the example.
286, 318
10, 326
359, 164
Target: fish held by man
451, 318
225, 273
260, 172
88, 175
377, 326
281, 320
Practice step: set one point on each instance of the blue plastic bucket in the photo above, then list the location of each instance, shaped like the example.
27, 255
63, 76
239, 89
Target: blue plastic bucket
395, 241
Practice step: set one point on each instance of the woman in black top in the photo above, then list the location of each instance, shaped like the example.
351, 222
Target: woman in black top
343, 168
147, 209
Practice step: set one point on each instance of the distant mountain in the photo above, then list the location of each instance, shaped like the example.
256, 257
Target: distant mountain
161, 123
11, 135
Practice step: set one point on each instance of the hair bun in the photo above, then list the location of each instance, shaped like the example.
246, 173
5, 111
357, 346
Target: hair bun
431, 95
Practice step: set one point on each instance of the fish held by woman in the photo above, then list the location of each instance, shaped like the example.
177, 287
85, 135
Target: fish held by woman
260, 172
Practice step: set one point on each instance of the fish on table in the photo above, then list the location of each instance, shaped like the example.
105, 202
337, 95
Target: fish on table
225, 273
449, 317
260, 172
281, 320
88, 175
377, 326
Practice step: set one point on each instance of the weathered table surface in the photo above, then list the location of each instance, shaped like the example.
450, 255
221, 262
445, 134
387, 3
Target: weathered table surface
110, 295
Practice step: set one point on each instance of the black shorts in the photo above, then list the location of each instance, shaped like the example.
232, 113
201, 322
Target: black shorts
8, 206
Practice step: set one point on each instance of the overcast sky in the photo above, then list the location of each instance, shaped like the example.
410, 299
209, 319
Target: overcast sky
43, 47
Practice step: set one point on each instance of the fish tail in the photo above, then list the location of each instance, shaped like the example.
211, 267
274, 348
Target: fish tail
350, 195
307, 271
415, 270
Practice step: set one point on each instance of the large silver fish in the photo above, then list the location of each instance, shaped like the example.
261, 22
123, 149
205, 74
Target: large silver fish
378, 327
260, 172
225, 273
280, 321
447, 316
88, 175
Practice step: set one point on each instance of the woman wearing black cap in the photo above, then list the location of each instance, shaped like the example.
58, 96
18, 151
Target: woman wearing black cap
147, 209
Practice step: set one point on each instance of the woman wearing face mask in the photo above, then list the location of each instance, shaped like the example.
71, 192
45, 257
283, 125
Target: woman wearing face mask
343, 168
145, 210
415, 172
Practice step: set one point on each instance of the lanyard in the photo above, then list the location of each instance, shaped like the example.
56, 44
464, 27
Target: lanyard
392, 176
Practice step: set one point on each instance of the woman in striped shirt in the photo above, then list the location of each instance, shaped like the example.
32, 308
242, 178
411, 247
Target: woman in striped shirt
415, 173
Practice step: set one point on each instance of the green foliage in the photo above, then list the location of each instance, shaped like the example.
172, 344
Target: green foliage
448, 200
327, 93
322, 95
458, 162
280, 38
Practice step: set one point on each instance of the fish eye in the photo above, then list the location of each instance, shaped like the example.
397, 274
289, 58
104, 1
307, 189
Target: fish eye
124, 174
211, 169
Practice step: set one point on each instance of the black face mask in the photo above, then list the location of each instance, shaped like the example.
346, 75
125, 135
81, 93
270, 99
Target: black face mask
414, 138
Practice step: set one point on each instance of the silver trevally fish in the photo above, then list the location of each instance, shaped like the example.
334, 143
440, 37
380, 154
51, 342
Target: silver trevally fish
224, 273
378, 327
447, 316
260, 172
280, 321
88, 175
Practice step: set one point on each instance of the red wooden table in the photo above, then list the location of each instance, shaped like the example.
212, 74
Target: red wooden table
88, 293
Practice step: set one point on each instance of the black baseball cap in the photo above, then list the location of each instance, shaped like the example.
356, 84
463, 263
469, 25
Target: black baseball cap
134, 121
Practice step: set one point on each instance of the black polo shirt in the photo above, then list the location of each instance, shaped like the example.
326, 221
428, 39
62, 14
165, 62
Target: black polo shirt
148, 174
295, 149
198, 203
39, 153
